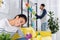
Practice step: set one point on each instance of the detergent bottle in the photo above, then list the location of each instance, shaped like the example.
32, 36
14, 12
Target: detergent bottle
38, 36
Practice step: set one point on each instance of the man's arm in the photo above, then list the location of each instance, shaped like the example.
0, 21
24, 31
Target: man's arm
43, 14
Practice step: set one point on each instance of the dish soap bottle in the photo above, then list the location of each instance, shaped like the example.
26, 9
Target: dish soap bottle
38, 36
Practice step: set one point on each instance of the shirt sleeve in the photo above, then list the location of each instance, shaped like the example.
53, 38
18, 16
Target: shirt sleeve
20, 33
41, 16
2, 24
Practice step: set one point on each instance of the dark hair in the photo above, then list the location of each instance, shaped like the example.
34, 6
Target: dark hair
23, 16
43, 5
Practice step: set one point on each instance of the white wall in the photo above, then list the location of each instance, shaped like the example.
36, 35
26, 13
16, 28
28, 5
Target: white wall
13, 8
4, 9
58, 14
10, 9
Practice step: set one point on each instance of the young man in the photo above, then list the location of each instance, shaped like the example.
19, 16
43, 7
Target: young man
42, 16
11, 26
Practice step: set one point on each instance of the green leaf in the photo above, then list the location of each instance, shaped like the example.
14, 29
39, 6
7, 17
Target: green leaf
5, 36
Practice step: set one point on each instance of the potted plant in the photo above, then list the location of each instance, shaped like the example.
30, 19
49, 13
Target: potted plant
5, 36
53, 23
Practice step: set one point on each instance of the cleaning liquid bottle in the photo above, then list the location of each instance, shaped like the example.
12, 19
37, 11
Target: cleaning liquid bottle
38, 36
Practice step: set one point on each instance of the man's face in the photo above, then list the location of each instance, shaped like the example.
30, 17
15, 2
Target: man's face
41, 7
19, 21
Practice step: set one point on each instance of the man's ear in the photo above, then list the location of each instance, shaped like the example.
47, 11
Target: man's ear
17, 17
